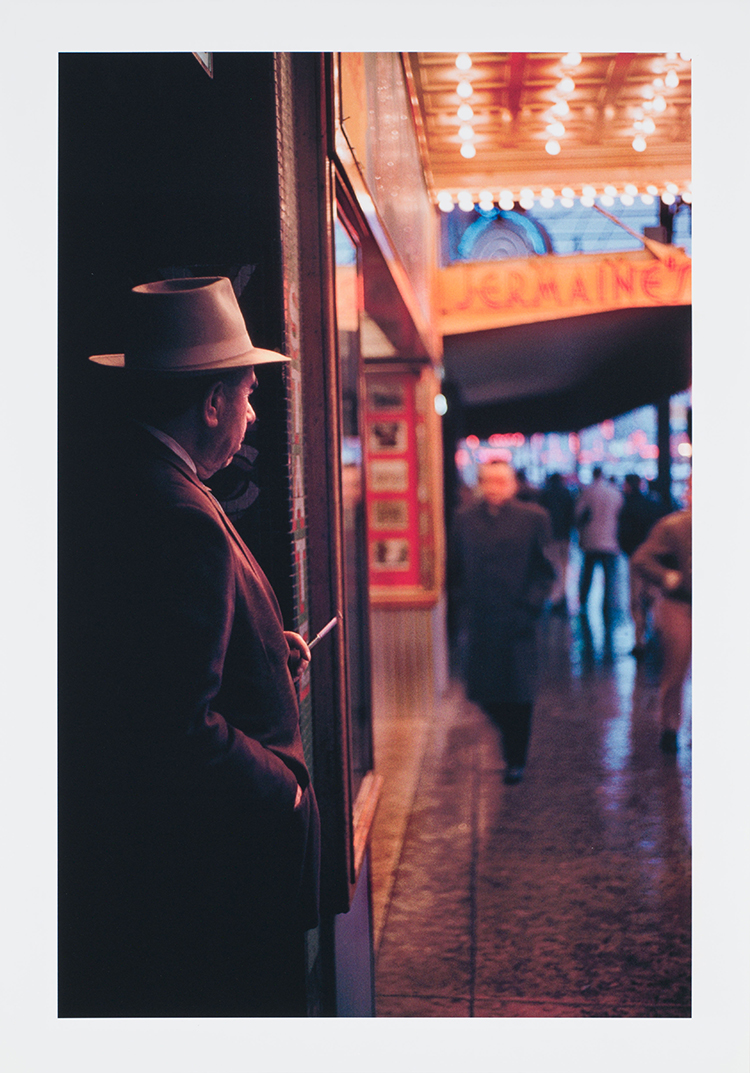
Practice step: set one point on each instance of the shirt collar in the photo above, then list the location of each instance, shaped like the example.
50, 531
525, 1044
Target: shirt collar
172, 444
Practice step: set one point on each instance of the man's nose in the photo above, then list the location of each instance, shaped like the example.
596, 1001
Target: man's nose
250, 415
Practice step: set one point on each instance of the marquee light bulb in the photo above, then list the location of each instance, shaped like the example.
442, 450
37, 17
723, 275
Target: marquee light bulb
589, 191
464, 89
463, 61
560, 108
671, 80
631, 189
552, 147
667, 198
673, 188
468, 150
611, 191
526, 203
639, 143
653, 190
647, 199
465, 112
626, 199
607, 199
565, 86
659, 104
567, 202
548, 192
587, 201
556, 129
648, 126
466, 132
446, 206
571, 59
687, 197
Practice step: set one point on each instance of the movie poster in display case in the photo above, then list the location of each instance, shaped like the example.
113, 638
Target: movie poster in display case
404, 486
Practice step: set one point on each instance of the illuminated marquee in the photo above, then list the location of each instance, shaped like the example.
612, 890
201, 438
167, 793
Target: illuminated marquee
477, 296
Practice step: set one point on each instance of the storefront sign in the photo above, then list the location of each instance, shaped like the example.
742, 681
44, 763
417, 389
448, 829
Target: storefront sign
482, 295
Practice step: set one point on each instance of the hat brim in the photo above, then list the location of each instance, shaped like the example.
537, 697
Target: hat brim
256, 356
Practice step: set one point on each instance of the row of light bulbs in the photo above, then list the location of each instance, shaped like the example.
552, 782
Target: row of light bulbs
527, 198
560, 107
654, 103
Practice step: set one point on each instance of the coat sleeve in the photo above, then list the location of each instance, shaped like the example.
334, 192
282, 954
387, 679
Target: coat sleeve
657, 554
541, 570
186, 604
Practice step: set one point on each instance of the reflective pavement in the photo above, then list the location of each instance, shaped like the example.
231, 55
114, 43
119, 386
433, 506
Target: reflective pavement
567, 895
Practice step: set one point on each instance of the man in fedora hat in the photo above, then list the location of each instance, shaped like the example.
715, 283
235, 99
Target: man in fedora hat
189, 831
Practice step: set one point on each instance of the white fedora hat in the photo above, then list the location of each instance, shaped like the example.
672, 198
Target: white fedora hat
186, 326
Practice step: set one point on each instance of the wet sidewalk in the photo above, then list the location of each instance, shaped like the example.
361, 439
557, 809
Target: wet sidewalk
567, 895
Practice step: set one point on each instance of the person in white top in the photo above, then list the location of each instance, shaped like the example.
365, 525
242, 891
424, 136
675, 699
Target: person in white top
596, 514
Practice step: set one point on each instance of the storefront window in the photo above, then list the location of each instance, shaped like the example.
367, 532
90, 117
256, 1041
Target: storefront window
348, 311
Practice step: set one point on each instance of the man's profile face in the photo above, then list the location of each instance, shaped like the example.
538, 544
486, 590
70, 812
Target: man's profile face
235, 415
497, 483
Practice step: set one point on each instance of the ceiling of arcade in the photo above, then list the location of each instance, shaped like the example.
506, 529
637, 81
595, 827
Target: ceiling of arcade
552, 120
560, 131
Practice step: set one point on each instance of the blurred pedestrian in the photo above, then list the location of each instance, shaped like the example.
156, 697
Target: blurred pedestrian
638, 515
665, 560
596, 512
558, 500
504, 577
525, 490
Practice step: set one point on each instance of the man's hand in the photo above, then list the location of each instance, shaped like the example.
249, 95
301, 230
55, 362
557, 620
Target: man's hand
672, 580
299, 654
298, 797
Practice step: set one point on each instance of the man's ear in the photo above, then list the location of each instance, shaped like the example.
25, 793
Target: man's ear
213, 404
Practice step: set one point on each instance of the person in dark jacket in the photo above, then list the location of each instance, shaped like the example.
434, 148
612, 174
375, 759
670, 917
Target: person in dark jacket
505, 578
189, 831
665, 559
638, 515
559, 502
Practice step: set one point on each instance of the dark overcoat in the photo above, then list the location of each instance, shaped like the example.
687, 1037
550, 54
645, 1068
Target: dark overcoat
186, 869
504, 578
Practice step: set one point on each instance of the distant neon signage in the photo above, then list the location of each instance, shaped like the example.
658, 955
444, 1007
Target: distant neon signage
481, 295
